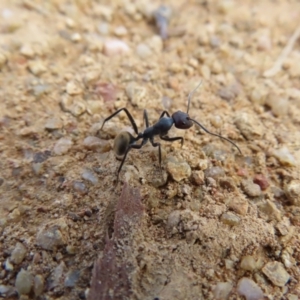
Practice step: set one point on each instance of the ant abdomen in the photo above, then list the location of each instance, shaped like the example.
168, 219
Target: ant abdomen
121, 142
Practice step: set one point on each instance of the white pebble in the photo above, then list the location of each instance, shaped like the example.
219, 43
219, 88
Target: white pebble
284, 156
70, 23
27, 51
37, 67
222, 290
249, 289
62, 146
120, 31
106, 12
76, 37
143, 51
114, 47
73, 88
90, 176
156, 43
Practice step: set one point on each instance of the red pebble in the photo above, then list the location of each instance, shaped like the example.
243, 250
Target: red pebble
262, 181
242, 172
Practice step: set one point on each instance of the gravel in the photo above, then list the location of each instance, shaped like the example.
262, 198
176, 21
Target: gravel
60, 211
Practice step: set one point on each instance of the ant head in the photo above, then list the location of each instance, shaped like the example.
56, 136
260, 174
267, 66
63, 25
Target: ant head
182, 120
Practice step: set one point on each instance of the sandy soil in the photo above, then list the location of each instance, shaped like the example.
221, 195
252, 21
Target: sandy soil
213, 224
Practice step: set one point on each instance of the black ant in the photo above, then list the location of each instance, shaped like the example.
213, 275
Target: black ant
125, 141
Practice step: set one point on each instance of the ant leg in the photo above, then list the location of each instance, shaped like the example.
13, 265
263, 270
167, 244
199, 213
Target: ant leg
146, 118
159, 151
131, 146
164, 113
128, 115
172, 139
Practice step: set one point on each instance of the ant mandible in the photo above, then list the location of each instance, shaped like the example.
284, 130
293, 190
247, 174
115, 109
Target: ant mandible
125, 141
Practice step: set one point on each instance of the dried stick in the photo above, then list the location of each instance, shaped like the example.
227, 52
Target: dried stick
286, 51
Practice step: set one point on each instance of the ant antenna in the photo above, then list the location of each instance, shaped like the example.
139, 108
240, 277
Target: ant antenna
191, 95
221, 137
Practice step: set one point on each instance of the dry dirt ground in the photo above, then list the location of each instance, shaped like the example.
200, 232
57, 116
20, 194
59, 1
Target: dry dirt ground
213, 224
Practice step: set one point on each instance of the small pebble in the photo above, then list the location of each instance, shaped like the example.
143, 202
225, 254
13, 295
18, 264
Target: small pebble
27, 51
214, 172
173, 219
53, 124
40, 89
91, 77
103, 28
50, 236
248, 263
249, 289
96, 144
216, 67
159, 180
230, 219
24, 282
62, 146
113, 47
71, 278
249, 125
227, 93
37, 67
90, 176
238, 205
162, 15
225, 6
222, 290
284, 156
73, 88
7, 291
276, 273
262, 181
76, 37
270, 209
257, 97
38, 285
94, 107
250, 188
8, 266
279, 105
156, 43
178, 169
292, 190
198, 177
70, 23
120, 31
14, 216
80, 187
264, 43
143, 51
136, 93
103, 11
284, 226
18, 254
107, 91
55, 279
166, 102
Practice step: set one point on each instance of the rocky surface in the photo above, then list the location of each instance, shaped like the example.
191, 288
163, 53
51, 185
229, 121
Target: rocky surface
212, 224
